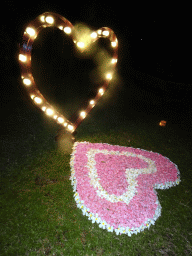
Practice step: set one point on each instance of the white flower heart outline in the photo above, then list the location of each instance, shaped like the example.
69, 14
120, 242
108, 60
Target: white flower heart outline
131, 175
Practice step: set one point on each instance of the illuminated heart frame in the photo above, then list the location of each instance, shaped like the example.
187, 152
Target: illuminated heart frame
49, 19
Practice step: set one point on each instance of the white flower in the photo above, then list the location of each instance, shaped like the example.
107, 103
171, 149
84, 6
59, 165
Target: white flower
90, 215
122, 230
142, 227
77, 199
152, 221
110, 228
95, 218
137, 230
117, 231
148, 224
103, 224
85, 210
128, 231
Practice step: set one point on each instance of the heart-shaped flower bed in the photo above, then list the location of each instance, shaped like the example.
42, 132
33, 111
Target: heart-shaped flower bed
83, 42
115, 186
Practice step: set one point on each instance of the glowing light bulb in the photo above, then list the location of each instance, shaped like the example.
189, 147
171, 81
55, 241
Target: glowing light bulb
114, 61
49, 112
49, 19
70, 127
67, 30
30, 31
109, 76
60, 27
55, 116
113, 44
105, 32
83, 114
43, 108
42, 18
27, 81
38, 100
99, 32
22, 58
101, 91
94, 35
60, 120
32, 96
92, 102
81, 44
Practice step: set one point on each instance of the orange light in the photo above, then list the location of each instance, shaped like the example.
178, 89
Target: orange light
49, 112
94, 35
83, 114
27, 81
81, 44
109, 76
92, 102
22, 58
70, 127
49, 19
114, 61
105, 32
113, 44
38, 100
60, 120
101, 91
67, 30
30, 31
162, 123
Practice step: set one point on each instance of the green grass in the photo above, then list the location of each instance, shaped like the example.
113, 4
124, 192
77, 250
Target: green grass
38, 214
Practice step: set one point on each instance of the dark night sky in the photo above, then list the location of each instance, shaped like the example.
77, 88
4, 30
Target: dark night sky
153, 40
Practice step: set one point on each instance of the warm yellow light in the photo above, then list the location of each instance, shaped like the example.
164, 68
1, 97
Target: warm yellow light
55, 116
49, 19
43, 108
101, 91
94, 35
83, 114
99, 32
22, 58
109, 76
114, 61
92, 102
42, 18
105, 32
60, 120
60, 27
70, 127
67, 30
27, 81
49, 112
32, 96
113, 44
30, 31
81, 44
38, 100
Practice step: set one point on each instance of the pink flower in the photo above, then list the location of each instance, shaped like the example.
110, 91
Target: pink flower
117, 184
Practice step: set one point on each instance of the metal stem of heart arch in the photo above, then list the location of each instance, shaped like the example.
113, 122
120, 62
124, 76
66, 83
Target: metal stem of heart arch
48, 19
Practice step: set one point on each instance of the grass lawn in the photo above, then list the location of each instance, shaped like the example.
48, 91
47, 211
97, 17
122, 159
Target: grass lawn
38, 214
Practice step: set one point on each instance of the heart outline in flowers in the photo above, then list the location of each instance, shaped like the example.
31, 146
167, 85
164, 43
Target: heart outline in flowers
49, 19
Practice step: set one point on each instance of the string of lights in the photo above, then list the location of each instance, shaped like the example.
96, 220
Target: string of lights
49, 19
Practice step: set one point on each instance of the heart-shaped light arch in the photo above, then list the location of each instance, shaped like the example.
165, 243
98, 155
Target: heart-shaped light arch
49, 19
